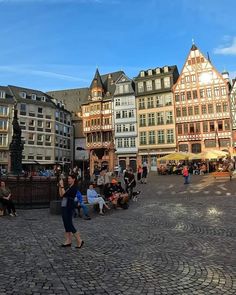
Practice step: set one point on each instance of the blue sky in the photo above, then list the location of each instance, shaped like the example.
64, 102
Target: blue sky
57, 44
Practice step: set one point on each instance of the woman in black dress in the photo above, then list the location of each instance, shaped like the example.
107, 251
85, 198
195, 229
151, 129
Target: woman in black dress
67, 204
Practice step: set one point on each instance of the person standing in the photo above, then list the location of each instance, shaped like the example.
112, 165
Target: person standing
68, 195
144, 173
139, 174
186, 174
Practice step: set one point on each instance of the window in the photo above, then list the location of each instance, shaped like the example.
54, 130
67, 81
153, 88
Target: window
48, 124
149, 72
140, 87
198, 127
126, 142
3, 124
223, 91
126, 88
131, 113
119, 143
33, 96
180, 129
167, 82
182, 95
160, 137
166, 69
3, 139
168, 100
169, 117
132, 142
185, 128
151, 119
142, 120
190, 111
158, 83
216, 91
23, 94
43, 98
194, 94
125, 128
23, 107
225, 107
158, 71
196, 110
120, 89
193, 78
170, 136
149, 85
177, 97
118, 128
141, 103
205, 126
218, 108
117, 102
124, 114
227, 124
31, 123
40, 123
187, 79
204, 109
118, 115
210, 143
178, 112
143, 139
150, 102
39, 137
196, 148
160, 101
212, 126
131, 127
209, 92
4, 111
220, 126
202, 93
210, 109
183, 147
2, 94
191, 128
142, 74
225, 142
189, 95
151, 137
184, 111
160, 118
31, 136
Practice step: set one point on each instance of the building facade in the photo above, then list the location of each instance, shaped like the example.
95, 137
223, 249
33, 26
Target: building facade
202, 106
125, 123
155, 113
97, 121
46, 129
233, 113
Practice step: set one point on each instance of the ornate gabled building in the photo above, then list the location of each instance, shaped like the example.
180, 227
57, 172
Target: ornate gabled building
202, 106
155, 113
97, 121
125, 123
233, 112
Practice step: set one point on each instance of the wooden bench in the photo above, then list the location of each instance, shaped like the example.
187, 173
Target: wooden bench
222, 174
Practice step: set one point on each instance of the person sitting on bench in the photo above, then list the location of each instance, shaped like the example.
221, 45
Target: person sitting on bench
94, 198
5, 199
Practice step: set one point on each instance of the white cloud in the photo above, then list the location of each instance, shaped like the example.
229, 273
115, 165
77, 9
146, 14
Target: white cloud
46, 74
229, 49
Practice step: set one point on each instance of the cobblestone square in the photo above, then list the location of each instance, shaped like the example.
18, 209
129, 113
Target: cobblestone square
176, 239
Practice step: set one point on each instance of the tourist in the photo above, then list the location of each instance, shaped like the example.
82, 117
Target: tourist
185, 173
94, 198
68, 195
145, 172
6, 199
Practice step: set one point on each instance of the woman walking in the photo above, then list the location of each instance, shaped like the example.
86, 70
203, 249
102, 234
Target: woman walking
68, 195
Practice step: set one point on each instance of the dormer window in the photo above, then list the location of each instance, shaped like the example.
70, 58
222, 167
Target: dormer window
166, 69
33, 96
142, 74
158, 71
43, 98
23, 94
2, 94
149, 72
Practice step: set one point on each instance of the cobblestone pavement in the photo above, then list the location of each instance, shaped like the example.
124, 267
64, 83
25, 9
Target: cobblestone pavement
176, 239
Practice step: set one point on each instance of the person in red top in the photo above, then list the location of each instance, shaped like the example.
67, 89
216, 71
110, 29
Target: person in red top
185, 173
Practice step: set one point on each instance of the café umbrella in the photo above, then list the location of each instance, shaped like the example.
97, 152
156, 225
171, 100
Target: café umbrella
177, 156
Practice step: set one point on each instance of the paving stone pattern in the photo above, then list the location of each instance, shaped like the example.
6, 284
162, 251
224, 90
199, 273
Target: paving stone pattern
176, 239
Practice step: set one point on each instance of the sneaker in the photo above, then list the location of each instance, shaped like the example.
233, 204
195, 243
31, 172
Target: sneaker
11, 214
15, 214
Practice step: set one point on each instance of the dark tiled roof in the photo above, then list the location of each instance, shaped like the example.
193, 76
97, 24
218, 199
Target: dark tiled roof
8, 95
108, 81
16, 92
72, 98
171, 70
97, 82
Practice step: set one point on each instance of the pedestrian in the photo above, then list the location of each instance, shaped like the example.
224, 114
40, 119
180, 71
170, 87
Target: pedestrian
6, 199
131, 183
144, 173
139, 174
68, 195
185, 173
